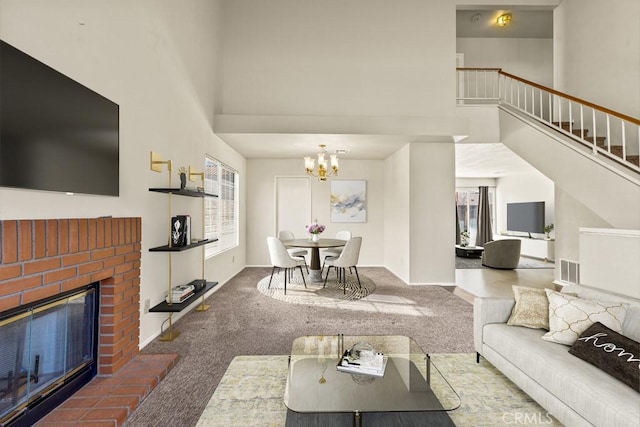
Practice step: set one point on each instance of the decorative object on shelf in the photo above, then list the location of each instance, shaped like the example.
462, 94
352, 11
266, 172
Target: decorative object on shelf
348, 201
180, 230
323, 171
464, 238
315, 229
182, 172
548, 229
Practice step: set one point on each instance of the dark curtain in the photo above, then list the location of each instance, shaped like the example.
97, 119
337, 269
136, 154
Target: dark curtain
457, 225
484, 218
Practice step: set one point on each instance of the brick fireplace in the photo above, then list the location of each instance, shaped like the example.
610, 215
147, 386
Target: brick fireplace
42, 258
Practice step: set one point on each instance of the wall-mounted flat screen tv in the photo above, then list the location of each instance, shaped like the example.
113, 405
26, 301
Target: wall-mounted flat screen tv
525, 217
55, 134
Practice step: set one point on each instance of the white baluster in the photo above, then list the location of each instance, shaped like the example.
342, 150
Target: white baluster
608, 133
595, 133
581, 121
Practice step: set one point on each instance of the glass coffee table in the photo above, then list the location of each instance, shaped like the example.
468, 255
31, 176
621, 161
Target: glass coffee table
411, 382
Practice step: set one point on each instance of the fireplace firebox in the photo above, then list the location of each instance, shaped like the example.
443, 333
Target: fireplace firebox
48, 350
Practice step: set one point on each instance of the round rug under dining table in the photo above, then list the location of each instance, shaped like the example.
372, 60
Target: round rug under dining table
315, 292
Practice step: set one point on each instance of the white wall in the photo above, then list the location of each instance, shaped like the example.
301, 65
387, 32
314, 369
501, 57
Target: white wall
531, 59
525, 187
261, 175
571, 215
419, 207
597, 52
397, 215
432, 225
159, 61
335, 57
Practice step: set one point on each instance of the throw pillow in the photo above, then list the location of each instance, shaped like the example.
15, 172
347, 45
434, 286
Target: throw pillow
570, 316
615, 354
531, 309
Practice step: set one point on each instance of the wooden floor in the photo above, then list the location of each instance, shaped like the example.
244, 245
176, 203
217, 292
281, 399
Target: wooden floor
487, 282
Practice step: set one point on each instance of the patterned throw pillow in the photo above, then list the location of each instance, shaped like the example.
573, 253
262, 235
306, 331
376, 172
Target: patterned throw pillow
531, 309
615, 354
570, 316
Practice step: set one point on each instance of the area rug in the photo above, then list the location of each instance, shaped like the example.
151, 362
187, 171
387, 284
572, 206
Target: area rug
316, 293
252, 389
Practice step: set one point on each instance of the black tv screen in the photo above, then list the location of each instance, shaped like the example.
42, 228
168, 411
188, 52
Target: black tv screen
525, 217
55, 134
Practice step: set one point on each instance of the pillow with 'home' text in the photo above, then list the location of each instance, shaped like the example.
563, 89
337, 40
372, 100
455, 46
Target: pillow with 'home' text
610, 351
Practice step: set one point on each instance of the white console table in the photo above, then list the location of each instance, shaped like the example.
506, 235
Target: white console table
533, 247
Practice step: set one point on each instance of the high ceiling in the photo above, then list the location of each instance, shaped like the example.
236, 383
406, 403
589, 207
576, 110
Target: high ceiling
472, 160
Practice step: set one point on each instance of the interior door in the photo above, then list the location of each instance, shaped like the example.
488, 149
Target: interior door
293, 204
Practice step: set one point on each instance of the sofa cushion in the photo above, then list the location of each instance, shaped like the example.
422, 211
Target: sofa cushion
615, 354
570, 316
531, 309
631, 324
598, 397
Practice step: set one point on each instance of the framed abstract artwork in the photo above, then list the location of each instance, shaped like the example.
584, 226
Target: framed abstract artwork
349, 200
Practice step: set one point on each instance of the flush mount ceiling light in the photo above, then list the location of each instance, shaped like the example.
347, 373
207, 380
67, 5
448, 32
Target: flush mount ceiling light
323, 171
503, 19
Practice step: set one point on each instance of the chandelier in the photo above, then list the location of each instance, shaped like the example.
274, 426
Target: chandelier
323, 171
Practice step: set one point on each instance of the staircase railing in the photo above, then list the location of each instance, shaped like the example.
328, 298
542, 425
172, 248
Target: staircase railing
606, 132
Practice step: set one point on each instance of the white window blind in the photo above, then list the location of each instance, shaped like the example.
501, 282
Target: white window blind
221, 213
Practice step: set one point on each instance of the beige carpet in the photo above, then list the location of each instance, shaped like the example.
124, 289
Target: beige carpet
242, 321
315, 292
251, 394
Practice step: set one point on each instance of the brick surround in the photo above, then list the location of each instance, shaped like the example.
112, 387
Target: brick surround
42, 258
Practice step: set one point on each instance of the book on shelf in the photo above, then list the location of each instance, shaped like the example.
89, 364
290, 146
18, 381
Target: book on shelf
374, 365
180, 293
179, 299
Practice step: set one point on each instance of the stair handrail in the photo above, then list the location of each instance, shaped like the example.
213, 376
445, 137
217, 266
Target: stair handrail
571, 97
476, 87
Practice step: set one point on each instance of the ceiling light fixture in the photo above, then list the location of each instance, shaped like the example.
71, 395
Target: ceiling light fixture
323, 171
503, 19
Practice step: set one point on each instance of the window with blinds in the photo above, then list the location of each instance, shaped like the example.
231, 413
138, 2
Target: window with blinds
221, 213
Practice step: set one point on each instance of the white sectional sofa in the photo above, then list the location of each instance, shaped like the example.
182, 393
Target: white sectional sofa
572, 390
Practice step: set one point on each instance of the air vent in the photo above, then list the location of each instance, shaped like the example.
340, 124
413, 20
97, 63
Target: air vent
569, 271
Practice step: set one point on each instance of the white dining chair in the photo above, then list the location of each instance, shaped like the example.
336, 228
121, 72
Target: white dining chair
340, 235
347, 259
295, 252
280, 258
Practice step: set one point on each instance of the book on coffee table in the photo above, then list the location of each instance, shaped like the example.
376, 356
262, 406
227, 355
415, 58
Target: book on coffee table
374, 365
